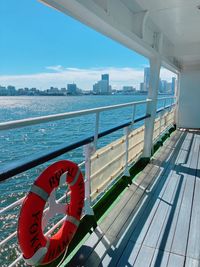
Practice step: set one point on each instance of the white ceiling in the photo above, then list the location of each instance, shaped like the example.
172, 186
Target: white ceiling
179, 20
137, 23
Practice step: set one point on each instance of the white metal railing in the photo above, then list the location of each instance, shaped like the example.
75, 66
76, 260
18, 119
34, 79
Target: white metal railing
34, 121
68, 115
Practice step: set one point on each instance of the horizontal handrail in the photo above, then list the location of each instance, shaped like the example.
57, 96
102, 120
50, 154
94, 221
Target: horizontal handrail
68, 115
20, 166
166, 97
166, 107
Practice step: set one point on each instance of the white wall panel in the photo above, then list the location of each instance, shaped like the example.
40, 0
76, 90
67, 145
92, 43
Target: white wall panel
189, 99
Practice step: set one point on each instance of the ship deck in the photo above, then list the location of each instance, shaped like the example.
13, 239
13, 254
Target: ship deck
155, 222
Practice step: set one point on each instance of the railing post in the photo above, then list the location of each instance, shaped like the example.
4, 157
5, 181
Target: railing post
160, 120
96, 130
88, 151
133, 115
127, 132
155, 65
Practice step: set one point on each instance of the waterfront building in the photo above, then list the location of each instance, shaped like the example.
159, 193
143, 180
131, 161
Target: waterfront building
71, 89
146, 79
102, 87
173, 85
105, 77
96, 88
128, 89
141, 87
11, 90
3, 91
53, 91
63, 91
163, 88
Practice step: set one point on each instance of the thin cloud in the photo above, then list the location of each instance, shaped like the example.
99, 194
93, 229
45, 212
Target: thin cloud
57, 68
84, 78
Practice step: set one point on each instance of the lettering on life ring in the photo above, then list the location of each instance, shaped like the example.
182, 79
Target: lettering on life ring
36, 248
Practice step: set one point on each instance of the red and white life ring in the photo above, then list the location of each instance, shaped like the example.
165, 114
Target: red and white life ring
36, 248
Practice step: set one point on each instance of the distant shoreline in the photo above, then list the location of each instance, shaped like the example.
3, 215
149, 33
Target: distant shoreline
118, 94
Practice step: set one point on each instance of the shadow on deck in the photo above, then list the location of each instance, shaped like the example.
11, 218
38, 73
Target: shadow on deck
156, 221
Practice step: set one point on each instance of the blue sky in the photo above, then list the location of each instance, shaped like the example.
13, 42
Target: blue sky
38, 42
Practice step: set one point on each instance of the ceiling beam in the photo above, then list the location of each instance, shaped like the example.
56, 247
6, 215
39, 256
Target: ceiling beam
118, 22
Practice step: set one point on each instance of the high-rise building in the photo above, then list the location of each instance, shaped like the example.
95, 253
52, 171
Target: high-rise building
141, 87
102, 87
105, 77
72, 89
164, 87
146, 79
173, 85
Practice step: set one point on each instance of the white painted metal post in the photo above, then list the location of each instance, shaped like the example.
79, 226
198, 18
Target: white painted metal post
127, 132
133, 115
88, 151
155, 65
96, 130
177, 95
160, 120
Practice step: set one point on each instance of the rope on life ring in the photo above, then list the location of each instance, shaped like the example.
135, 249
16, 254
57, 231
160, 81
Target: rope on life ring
36, 247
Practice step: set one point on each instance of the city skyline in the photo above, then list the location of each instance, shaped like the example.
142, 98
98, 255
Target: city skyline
69, 52
85, 78
101, 87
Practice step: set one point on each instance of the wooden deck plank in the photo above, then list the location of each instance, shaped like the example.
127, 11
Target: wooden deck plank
176, 260
125, 213
188, 141
144, 253
98, 253
167, 233
179, 243
86, 250
193, 247
165, 204
160, 258
111, 217
191, 262
144, 221
171, 142
129, 256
